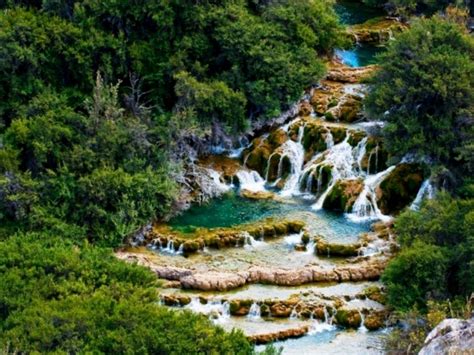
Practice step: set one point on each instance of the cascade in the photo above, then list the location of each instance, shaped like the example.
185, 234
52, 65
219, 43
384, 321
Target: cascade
362, 327
359, 153
254, 312
311, 248
250, 242
365, 206
341, 159
295, 152
294, 314
329, 139
293, 239
251, 181
426, 191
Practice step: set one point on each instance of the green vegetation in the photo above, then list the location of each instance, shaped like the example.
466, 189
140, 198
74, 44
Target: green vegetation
425, 92
96, 97
437, 257
65, 299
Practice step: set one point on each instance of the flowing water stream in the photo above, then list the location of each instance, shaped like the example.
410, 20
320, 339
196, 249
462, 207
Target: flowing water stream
297, 192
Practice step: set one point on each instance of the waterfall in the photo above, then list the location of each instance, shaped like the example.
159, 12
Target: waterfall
329, 139
295, 152
365, 207
294, 315
293, 239
251, 181
254, 312
250, 242
217, 310
359, 153
311, 248
341, 158
362, 328
426, 191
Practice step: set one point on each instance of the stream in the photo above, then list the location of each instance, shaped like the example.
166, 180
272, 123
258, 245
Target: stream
310, 301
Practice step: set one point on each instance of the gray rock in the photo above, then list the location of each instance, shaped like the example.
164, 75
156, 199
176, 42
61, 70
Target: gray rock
451, 336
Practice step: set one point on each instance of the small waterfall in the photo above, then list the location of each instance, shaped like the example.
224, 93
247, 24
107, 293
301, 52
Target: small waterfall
294, 315
311, 248
218, 311
250, 242
295, 152
341, 159
362, 328
359, 153
251, 181
254, 312
320, 327
426, 191
365, 207
329, 139
293, 239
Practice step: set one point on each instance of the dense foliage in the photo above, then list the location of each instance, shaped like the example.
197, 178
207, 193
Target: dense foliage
437, 257
425, 93
61, 298
95, 94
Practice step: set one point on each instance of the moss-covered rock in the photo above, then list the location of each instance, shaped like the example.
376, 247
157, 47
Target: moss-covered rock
334, 249
376, 157
374, 321
355, 137
319, 177
314, 139
377, 30
348, 318
399, 189
342, 196
338, 134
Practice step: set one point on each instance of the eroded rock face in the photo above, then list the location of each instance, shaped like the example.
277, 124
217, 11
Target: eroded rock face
333, 249
280, 335
451, 336
376, 31
217, 281
342, 196
343, 74
399, 189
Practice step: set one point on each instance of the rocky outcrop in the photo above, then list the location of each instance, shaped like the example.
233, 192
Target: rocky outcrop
216, 281
365, 270
279, 335
399, 188
161, 235
333, 249
342, 196
451, 336
344, 74
376, 31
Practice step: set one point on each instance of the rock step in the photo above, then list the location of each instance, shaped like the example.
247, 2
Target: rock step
372, 315
259, 339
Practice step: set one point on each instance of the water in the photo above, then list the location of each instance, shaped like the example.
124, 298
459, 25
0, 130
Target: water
360, 55
232, 210
332, 341
355, 12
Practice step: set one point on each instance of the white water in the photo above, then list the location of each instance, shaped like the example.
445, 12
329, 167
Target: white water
362, 328
251, 243
365, 207
254, 312
426, 191
295, 152
217, 310
251, 180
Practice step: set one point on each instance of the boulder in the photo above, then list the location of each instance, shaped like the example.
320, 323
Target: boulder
342, 196
451, 336
399, 188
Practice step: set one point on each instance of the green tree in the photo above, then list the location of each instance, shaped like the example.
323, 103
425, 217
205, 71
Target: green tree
425, 93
